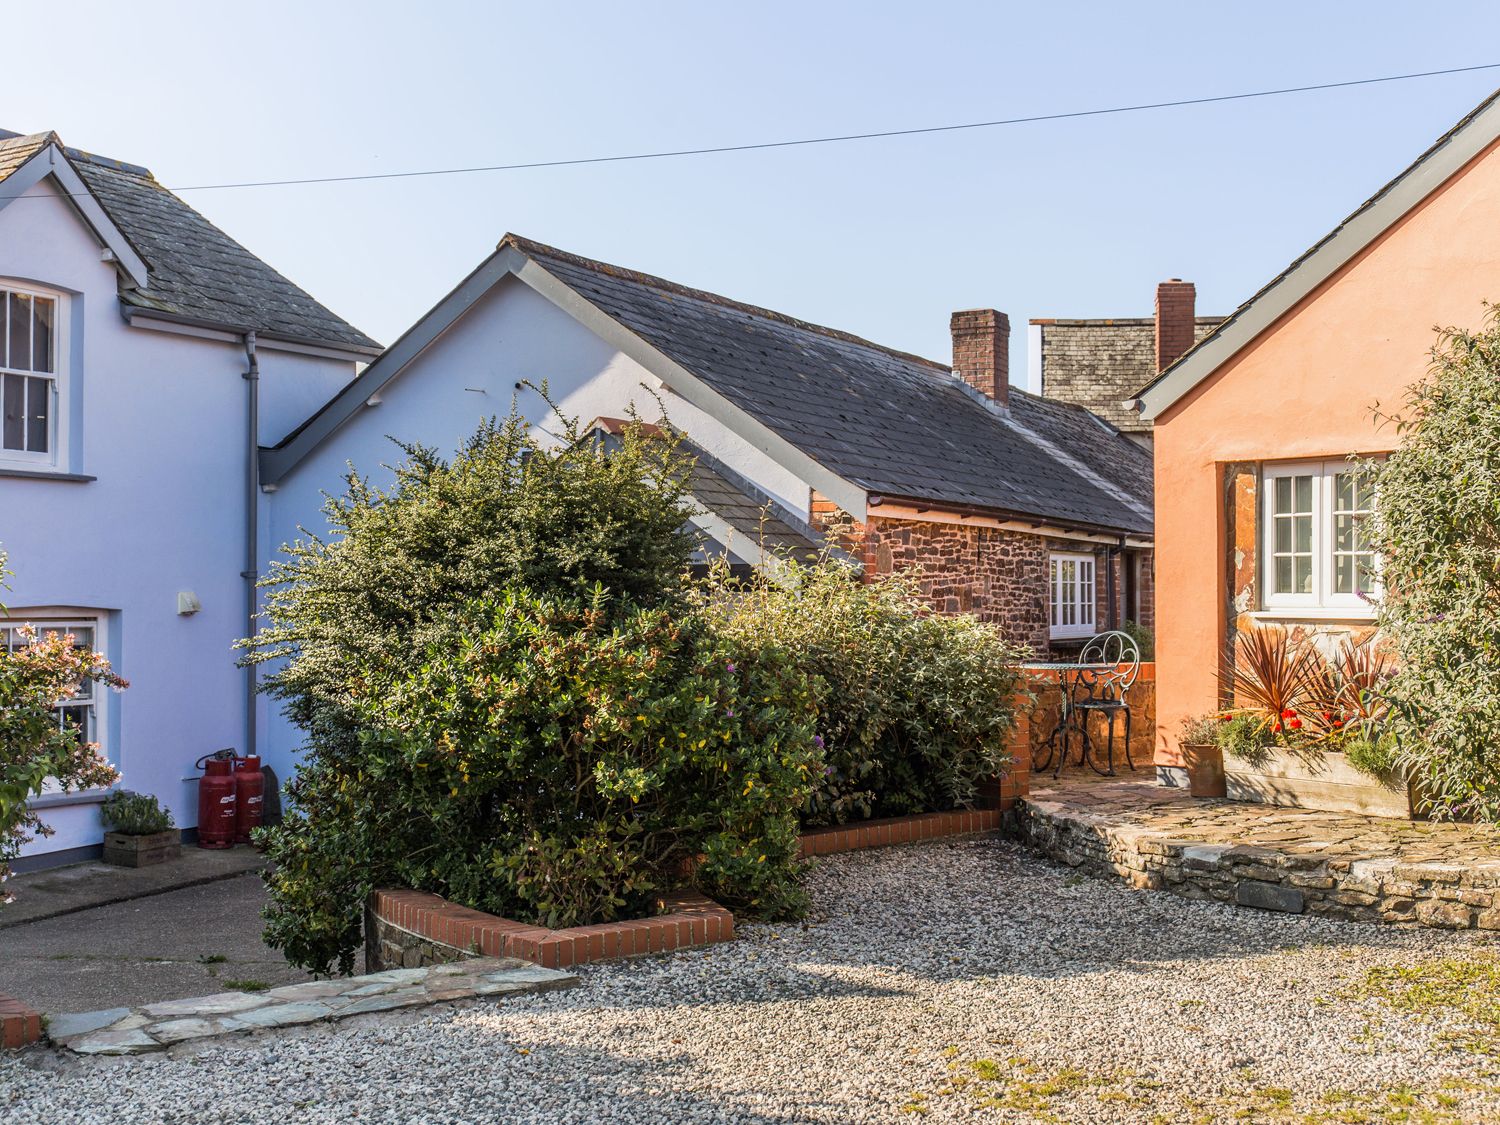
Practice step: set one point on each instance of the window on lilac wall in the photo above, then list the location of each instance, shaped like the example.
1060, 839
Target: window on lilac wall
28, 375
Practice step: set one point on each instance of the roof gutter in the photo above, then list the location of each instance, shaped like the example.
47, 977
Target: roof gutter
334, 349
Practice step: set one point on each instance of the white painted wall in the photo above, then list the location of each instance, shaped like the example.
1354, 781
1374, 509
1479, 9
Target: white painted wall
159, 420
469, 373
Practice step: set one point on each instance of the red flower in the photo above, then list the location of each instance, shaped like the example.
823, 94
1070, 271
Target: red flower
1224, 718
1275, 728
1295, 724
1289, 714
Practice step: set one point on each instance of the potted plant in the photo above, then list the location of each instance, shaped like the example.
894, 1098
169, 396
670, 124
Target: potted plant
1202, 756
141, 832
1306, 730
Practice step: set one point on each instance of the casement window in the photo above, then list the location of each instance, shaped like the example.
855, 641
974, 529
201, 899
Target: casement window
29, 391
1072, 596
1316, 543
80, 713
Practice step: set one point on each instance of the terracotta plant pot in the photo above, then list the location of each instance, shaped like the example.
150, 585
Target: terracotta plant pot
1204, 762
142, 851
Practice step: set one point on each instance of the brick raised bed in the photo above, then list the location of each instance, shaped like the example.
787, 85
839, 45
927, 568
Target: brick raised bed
898, 830
409, 929
19, 1024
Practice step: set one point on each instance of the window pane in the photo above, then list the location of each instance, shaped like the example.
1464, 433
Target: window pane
1343, 492
13, 431
1284, 575
38, 411
1283, 494
41, 334
1343, 574
1304, 494
1303, 528
1303, 574
1365, 573
1283, 535
20, 332
1343, 533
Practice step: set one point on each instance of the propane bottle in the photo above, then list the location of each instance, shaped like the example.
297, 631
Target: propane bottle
216, 800
249, 796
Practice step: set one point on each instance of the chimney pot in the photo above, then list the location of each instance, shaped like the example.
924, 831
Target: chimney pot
981, 351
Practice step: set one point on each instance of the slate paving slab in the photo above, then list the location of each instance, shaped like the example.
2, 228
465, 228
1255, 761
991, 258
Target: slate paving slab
154, 1027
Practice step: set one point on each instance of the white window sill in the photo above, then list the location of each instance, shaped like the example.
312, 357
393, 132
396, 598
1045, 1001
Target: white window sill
81, 797
43, 474
1364, 615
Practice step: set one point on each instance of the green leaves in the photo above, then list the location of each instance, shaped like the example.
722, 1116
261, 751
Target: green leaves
1437, 520
914, 708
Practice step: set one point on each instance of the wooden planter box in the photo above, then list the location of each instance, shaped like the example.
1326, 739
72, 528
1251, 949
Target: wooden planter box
142, 851
1314, 779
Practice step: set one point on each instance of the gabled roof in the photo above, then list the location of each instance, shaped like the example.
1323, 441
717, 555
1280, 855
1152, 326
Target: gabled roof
194, 272
853, 418
1447, 156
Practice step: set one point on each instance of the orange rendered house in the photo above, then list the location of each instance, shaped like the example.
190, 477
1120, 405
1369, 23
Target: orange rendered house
1258, 515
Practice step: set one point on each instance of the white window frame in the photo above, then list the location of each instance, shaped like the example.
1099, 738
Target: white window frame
1322, 597
1084, 609
56, 455
100, 699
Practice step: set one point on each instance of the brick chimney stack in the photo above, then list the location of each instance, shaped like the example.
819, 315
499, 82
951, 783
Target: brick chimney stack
981, 351
1174, 321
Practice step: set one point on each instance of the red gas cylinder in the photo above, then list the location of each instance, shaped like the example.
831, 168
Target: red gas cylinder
216, 800
249, 795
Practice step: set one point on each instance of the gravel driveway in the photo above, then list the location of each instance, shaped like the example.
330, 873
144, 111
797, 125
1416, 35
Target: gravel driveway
955, 981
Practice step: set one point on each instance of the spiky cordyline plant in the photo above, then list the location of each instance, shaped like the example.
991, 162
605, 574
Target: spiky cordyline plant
1273, 675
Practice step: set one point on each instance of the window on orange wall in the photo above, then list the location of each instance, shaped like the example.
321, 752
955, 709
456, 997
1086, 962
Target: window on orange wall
1071, 580
1316, 537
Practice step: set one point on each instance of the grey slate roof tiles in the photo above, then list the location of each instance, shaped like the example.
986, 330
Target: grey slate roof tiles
891, 423
755, 517
196, 271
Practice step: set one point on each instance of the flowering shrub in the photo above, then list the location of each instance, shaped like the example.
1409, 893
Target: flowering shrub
1437, 521
914, 708
34, 747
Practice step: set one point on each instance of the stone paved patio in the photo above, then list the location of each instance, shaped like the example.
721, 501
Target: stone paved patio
1292, 860
134, 1031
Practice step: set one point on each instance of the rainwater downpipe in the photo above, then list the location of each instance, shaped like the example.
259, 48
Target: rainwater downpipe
251, 573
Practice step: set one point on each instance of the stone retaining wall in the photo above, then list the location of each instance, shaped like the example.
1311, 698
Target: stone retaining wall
1374, 889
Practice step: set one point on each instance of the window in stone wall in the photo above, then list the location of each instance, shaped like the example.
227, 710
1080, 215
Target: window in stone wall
1072, 596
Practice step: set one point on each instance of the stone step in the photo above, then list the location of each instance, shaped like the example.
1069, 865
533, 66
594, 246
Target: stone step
155, 1027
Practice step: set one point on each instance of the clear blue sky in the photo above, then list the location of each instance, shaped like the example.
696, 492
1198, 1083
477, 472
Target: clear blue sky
883, 238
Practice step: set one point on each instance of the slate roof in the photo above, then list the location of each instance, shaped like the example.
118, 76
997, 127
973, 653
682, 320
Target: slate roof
894, 424
1100, 363
755, 517
197, 272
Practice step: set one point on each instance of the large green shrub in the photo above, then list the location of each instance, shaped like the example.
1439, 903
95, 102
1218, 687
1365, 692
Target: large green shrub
914, 707
45, 668
509, 702
545, 762
1437, 521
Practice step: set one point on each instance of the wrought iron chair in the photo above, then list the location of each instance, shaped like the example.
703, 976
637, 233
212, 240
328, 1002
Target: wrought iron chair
1106, 691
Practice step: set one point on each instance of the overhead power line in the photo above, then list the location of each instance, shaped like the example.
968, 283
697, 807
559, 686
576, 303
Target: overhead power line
841, 138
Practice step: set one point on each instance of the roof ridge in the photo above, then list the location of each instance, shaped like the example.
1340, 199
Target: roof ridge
531, 246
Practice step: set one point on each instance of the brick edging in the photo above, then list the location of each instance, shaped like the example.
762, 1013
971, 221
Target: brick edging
898, 830
691, 920
20, 1024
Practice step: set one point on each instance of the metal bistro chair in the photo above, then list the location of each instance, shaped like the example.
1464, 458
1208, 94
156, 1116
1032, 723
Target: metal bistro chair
1107, 691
